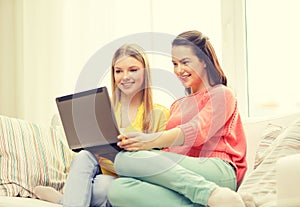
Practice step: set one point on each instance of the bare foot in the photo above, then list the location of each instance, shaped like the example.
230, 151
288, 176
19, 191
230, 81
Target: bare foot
224, 197
47, 194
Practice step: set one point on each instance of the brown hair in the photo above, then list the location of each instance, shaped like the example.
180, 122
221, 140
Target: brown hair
135, 51
204, 51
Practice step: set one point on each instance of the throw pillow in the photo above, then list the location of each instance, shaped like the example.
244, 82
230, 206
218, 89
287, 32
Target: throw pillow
31, 155
269, 135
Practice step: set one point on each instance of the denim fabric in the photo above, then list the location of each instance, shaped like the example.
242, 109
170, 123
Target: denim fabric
85, 185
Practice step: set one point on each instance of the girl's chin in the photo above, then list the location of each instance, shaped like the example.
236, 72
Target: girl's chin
185, 85
129, 92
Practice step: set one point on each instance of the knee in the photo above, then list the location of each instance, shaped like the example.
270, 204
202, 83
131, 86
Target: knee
125, 161
138, 164
85, 155
121, 162
84, 159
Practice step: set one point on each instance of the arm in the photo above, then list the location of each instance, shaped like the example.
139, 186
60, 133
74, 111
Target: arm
210, 119
199, 124
141, 141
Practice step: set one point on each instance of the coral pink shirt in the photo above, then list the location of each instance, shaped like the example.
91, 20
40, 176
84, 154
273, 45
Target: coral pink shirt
212, 127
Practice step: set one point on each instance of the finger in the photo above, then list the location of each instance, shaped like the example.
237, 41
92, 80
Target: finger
121, 137
124, 142
128, 144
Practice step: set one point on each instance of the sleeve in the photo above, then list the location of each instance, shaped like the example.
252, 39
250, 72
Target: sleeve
161, 117
211, 119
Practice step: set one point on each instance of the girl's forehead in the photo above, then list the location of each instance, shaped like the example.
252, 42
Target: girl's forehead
121, 58
125, 59
182, 51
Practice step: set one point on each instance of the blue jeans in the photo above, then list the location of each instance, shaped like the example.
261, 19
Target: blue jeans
85, 185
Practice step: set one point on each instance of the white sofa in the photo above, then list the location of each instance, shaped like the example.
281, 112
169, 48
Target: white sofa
273, 143
58, 157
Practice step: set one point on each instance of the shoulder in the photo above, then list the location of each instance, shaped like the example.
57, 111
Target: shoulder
158, 108
221, 90
224, 98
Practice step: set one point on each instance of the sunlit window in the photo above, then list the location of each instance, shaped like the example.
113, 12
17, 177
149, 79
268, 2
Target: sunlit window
273, 56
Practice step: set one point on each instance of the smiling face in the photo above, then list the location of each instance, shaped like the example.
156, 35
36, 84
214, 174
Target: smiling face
129, 75
188, 68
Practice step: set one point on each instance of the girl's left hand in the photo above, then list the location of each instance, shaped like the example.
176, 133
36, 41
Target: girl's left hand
136, 141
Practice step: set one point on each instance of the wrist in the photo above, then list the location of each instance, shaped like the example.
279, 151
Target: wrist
153, 141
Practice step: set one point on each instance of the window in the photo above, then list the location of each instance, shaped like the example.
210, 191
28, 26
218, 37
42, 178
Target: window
273, 56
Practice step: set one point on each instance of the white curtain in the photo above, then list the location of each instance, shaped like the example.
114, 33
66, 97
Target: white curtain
45, 44
9, 62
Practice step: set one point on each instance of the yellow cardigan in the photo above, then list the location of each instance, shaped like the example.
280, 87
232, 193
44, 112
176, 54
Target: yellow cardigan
161, 116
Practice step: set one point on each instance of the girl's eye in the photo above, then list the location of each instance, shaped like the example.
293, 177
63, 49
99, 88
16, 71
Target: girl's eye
185, 62
175, 64
118, 71
133, 70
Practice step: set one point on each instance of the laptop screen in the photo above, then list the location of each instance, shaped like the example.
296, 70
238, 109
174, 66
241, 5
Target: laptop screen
88, 118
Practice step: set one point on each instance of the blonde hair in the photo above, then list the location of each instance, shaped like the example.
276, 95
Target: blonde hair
135, 51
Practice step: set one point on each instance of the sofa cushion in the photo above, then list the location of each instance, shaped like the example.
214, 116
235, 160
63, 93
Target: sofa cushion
31, 155
6, 201
261, 182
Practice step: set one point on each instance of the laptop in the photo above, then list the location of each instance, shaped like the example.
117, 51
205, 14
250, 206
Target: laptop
89, 122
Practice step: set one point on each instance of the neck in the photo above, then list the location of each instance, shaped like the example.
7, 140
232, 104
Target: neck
203, 86
130, 105
131, 101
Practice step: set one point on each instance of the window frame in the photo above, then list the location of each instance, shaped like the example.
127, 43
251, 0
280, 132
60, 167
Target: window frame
234, 50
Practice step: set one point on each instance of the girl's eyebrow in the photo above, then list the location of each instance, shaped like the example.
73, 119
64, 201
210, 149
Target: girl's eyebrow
134, 66
130, 67
183, 59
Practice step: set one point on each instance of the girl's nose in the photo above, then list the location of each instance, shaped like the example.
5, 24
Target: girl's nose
179, 69
126, 75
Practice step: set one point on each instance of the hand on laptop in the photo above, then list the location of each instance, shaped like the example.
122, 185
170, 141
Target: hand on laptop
136, 141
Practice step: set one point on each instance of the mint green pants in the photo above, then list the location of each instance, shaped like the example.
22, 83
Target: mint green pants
156, 178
